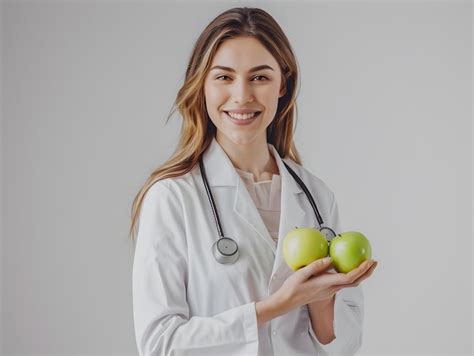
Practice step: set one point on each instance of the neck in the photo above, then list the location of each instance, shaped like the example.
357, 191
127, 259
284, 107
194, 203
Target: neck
253, 157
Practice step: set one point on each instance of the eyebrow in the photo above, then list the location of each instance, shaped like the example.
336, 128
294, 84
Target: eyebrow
254, 69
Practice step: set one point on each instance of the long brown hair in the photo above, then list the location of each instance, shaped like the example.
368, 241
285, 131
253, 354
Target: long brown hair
197, 130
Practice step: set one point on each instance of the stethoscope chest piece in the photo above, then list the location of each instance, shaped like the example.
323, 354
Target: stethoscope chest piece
328, 233
225, 250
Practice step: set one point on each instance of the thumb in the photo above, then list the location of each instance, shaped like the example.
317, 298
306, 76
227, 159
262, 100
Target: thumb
316, 267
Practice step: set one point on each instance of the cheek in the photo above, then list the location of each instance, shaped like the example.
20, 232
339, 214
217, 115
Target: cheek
270, 93
270, 98
214, 97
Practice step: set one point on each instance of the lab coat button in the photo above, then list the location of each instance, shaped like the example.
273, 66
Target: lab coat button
274, 277
274, 332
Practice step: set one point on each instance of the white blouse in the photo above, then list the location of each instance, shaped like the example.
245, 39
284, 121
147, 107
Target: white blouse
267, 198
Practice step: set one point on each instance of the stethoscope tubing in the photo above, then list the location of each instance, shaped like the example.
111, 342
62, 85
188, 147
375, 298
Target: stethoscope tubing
211, 199
228, 243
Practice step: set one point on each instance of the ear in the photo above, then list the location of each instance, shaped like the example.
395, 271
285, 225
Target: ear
282, 86
282, 92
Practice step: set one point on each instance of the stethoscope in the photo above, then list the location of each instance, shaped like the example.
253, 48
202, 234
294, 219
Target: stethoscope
225, 249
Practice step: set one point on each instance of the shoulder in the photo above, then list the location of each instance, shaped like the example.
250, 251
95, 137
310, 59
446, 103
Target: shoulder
172, 189
164, 202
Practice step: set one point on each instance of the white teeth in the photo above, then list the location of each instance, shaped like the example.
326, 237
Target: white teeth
240, 116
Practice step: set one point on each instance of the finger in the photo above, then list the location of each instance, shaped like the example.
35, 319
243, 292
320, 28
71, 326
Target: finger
356, 273
366, 275
316, 267
350, 277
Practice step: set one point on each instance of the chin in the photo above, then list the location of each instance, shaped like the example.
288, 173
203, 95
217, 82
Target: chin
239, 138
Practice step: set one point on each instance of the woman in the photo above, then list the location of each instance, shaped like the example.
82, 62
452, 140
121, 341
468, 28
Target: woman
238, 108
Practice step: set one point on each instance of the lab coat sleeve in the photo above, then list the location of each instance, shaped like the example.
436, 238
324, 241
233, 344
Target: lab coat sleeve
163, 325
348, 311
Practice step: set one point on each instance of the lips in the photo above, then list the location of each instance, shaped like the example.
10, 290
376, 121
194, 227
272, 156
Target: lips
243, 122
243, 111
256, 114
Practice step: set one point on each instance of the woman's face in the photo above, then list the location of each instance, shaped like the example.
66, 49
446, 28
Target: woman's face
240, 87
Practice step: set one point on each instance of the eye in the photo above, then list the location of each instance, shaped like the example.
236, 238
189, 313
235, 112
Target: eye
260, 76
257, 76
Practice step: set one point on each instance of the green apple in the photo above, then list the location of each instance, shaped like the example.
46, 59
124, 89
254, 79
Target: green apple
348, 250
302, 246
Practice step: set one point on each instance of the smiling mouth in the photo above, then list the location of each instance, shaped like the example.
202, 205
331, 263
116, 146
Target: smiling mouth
257, 113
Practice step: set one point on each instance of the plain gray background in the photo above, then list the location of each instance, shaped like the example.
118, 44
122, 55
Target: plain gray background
384, 119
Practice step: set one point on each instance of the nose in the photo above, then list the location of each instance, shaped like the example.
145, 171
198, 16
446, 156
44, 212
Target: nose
242, 92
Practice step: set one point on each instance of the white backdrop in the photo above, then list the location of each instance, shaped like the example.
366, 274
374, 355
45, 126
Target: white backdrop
384, 119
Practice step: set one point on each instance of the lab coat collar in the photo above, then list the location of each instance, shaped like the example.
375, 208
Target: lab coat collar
224, 173
221, 172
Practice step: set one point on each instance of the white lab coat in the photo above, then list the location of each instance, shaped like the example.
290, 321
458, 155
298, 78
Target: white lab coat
186, 303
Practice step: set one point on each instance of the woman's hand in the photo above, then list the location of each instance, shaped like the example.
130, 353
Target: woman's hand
313, 283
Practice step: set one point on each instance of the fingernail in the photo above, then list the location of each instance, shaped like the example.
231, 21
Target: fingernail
327, 259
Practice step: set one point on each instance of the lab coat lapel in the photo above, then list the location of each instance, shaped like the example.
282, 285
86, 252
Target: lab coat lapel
292, 205
224, 174
245, 207
293, 212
